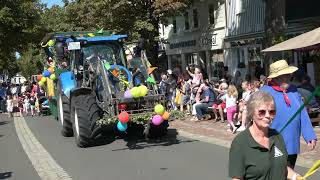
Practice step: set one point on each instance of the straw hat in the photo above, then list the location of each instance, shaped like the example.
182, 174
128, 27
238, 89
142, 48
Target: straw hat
281, 67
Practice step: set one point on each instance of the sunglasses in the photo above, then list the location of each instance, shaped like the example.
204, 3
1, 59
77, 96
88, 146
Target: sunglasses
262, 112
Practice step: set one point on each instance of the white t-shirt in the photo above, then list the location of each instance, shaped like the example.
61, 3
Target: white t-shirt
246, 95
230, 101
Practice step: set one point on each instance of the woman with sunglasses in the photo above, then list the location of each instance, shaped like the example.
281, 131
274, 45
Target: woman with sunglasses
259, 152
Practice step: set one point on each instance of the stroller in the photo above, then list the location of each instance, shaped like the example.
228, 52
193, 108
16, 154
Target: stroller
44, 107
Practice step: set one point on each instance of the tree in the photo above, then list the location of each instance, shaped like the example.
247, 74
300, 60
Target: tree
19, 26
274, 24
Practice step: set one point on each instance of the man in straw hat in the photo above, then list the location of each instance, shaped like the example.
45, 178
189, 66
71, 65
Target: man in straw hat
287, 101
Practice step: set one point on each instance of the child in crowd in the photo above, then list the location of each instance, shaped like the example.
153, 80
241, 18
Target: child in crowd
220, 104
9, 105
186, 93
26, 105
32, 105
242, 116
231, 106
15, 105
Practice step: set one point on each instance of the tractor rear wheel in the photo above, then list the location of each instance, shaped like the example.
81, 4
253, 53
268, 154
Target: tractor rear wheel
84, 113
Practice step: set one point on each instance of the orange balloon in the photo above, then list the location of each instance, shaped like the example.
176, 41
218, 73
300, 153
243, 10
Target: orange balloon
51, 69
39, 77
165, 115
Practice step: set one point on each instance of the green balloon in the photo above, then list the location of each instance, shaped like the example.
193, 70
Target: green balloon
41, 83
135, 92
159, 109
143, 90
53, 77
107, 66
151, 80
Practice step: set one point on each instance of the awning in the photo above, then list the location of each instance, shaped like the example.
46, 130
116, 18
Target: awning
304, 40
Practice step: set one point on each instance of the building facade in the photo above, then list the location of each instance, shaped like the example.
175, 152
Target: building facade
244, 36
196, 37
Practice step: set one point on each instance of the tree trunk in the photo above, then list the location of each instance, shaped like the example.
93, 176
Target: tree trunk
274, 25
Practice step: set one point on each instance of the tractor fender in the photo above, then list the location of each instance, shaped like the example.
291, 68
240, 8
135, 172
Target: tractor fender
68, 82
80, 91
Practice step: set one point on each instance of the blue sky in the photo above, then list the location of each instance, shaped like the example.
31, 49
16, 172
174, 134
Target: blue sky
52, 2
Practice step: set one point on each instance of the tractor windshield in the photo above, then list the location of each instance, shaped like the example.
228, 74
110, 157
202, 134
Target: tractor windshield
109, 52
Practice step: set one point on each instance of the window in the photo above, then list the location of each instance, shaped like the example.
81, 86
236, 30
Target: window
211, 14
195, 18
174, 23
186, 21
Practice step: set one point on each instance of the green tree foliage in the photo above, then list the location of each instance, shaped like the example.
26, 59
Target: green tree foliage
19, 26
31, 62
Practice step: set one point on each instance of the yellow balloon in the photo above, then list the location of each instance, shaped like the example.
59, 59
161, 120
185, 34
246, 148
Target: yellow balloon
159, 109
135, 92
143, 90
43, 79
41, 83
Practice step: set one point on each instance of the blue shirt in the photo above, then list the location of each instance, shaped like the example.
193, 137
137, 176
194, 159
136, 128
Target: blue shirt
301, 123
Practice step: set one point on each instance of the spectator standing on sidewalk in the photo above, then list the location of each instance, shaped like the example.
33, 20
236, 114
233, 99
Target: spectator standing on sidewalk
259, 152
287, 101
9, 104
2, 98
231, 106
242, 116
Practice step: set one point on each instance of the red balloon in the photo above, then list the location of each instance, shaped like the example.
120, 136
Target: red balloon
123, 117
39, 77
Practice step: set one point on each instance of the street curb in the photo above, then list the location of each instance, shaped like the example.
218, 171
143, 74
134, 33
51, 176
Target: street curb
303, 162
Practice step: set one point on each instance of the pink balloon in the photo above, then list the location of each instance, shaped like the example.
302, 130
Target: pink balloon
157, 120
127, 94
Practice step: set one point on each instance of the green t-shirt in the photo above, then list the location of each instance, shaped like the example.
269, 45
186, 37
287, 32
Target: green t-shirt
251, 161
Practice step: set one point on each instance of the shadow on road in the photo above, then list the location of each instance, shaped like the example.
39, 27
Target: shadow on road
4, 123
136, 142
5, 175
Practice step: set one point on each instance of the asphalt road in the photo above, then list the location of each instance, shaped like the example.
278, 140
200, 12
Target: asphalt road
173, 158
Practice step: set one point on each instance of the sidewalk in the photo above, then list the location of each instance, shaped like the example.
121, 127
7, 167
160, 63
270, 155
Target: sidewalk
216, 133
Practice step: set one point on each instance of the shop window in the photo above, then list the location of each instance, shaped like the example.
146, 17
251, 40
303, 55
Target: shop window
186, 21
174, 23
211, 13
195, 18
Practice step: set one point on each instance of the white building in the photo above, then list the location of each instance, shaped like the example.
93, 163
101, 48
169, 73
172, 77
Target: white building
196, 37
244, 35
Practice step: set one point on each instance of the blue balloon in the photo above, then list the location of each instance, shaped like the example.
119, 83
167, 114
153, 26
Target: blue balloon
122, 126
46, 73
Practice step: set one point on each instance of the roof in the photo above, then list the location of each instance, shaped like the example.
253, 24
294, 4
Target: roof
304, 40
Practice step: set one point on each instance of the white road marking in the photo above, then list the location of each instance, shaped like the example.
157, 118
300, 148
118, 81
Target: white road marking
42, 161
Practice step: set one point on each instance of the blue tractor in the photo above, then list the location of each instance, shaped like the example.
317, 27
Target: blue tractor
93, 75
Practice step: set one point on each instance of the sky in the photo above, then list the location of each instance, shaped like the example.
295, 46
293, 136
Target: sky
52, 2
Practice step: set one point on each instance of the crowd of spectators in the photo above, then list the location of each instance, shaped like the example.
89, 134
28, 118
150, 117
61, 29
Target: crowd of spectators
20, 99
222, 99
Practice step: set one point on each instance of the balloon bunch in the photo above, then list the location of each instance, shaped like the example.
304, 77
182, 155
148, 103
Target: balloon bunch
136, 92
124, 118
48, 73
160, 116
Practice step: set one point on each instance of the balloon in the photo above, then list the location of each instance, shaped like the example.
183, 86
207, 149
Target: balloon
159, 109
53, 77
107, 66
127, 94
143, 90
90, 34
50, 42
157, 120
122, 126
41, 83
135, 92
151, 80
46, 73
43, 79
165, 115
39, 77
123, 117
51, 69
